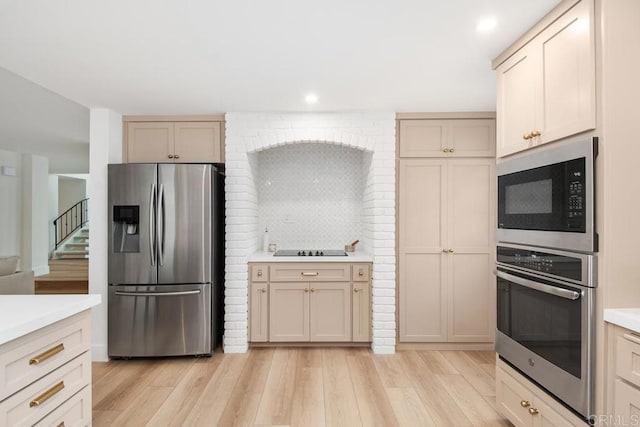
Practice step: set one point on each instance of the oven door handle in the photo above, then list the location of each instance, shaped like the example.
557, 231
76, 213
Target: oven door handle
559, 292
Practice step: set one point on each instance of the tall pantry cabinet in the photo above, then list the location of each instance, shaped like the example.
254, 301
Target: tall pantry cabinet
446, 218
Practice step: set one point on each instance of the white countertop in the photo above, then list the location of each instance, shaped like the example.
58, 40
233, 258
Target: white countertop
22, 314
626, 317
356, 256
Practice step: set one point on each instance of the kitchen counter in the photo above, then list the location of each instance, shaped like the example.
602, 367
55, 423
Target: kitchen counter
262, 256
23, 314
625, 317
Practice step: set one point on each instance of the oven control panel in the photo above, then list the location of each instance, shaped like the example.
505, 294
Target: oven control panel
554, 264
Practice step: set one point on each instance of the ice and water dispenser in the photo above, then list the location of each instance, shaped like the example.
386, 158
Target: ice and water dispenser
126, 224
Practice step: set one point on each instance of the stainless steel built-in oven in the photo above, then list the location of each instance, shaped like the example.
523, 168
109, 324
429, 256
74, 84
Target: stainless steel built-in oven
546, 198
545, 326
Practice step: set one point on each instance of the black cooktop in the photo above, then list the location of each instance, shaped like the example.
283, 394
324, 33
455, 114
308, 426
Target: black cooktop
310, 252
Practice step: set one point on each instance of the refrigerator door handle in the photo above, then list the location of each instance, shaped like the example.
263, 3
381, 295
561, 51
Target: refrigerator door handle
157, 294
161, 226
152, 224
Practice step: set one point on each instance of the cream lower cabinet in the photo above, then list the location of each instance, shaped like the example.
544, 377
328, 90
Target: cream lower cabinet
623, 376
45, 376
309, 302
446, 224
173, 142
526, 405
546, 90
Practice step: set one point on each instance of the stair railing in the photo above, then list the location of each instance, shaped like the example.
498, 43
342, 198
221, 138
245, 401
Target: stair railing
72, 219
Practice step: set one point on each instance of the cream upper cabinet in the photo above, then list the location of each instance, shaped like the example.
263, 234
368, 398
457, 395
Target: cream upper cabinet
173, 141
446, 244
447, 138
546, 90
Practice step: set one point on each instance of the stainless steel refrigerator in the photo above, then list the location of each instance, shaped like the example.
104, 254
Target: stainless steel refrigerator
166, 257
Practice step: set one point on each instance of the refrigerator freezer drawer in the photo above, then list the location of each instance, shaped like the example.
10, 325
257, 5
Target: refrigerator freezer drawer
160, 320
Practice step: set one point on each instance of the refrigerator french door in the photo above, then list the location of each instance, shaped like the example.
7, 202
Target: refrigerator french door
164, 259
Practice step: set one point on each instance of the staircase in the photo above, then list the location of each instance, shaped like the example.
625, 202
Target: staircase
76, 246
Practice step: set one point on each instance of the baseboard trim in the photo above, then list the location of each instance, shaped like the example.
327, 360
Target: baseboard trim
445, 346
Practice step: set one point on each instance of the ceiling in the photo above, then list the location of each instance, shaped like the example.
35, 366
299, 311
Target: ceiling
204, 56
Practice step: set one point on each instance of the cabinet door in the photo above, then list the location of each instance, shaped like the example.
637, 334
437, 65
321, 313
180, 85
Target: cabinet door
422, 226
513, 399
361, 312
518, 83
330, 311
471, 284
568, 74
471, 138
150, 142
423, 138
626, 403
289, 312
547, 416
197, 142
259, 312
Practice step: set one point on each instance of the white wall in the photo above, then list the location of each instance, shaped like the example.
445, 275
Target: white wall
70, 192
105, 147
53, 209
35, 213
11, 205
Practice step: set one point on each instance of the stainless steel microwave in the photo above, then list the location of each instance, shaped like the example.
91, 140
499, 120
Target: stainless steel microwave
547, 198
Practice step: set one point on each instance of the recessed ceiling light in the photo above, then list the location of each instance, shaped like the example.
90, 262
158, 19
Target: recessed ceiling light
311, 98
486, 24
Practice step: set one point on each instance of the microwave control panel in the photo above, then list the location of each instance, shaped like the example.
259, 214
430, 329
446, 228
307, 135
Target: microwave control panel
575, 193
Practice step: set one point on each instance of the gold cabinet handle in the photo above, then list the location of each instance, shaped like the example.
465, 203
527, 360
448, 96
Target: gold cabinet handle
527, 136
309, 273
47, 395
445, 150
356, 290
176, 156
46, 355
525, 403
263, 290
361, 272
306, 289
533, 411
451, 150
259, 273
170, 156
61, 424
313, 290
451, 251
445, 250
535, 133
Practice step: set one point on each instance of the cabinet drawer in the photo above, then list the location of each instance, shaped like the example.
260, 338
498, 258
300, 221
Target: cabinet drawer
310, 272
361, 272
75, 412
628, 357
259, 272
39, 399
28, 358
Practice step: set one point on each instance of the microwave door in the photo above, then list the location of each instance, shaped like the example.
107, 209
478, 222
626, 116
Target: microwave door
131, 217
184, 223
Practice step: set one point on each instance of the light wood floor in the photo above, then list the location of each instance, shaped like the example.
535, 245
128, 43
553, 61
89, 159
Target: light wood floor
300, 387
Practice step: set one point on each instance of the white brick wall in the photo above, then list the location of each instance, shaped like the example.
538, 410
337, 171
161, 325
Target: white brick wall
248, 133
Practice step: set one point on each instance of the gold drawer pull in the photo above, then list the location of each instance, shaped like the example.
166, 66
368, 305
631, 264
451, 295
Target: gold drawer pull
533, 411
263, 290
356, 290
309, 273
61, 424
361, 272
259, 273
525, 403
47, 395
633, 338
46, 355
445, 150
